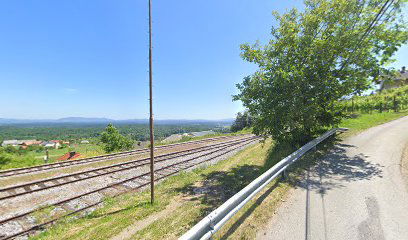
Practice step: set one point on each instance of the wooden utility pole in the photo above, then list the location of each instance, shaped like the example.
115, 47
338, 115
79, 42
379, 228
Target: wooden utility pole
151, 107
47, 155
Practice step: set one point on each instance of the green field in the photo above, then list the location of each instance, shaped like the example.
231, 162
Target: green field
365, 121
32, 158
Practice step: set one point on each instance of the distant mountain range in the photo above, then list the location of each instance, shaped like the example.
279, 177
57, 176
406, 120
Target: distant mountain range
83, 120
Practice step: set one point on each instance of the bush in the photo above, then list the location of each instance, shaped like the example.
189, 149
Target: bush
114, 141
4, 159
10, 149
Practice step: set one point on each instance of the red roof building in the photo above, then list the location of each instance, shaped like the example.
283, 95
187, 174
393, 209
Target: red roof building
69, 156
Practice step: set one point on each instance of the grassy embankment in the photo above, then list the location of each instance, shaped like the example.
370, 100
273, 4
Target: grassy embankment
184, 199
189, 138
366, 120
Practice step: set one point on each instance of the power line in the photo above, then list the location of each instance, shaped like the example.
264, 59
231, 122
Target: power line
151, 106
368, 30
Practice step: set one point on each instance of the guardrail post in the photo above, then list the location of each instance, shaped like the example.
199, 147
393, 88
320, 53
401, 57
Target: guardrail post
284, 175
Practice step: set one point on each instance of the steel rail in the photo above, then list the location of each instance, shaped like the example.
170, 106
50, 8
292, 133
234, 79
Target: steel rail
45, 167
158, 171
217, 218
81, 176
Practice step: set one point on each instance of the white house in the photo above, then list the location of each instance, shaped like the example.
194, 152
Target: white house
51, 144
13, 143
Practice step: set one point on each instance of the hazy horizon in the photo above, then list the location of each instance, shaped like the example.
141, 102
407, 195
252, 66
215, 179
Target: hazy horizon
112, 119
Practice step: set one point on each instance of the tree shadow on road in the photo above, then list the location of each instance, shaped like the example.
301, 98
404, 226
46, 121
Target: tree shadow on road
336, 161
333, 165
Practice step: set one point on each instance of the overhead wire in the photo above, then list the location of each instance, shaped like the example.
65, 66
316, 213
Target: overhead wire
378, 16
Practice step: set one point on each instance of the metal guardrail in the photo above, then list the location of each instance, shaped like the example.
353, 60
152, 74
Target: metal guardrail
216, 219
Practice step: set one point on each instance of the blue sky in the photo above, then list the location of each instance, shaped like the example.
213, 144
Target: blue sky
89, 58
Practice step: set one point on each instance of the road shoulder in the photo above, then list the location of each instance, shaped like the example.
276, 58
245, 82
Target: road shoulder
404, 165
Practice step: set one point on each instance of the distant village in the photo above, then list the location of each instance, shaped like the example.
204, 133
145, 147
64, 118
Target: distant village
52, 144
24, 144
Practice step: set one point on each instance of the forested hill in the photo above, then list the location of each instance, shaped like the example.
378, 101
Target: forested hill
75, 131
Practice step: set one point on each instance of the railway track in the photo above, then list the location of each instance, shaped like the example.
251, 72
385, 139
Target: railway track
125, 185
35, 186
50, 166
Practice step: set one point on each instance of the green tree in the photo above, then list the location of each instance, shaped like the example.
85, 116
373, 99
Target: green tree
10, 149
314, 59
243, 120
114, 141
4, 159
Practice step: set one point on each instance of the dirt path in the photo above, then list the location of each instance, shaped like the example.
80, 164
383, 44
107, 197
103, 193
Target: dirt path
128, 232
357, 191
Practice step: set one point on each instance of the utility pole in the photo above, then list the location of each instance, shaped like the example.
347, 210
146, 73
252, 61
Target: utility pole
151, 107
47, 155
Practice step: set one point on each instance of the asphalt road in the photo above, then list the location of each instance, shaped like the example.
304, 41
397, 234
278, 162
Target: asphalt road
356, 192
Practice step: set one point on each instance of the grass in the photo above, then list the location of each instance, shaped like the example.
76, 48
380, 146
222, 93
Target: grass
365, 121
200, 191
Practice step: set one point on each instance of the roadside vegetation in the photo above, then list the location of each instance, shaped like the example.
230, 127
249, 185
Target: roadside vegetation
363, 112
365, 121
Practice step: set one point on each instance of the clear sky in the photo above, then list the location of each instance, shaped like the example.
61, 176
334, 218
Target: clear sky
90, 58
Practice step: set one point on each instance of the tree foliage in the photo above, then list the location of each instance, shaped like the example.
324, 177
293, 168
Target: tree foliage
243, 120
4, 159
114, 141
314, 59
